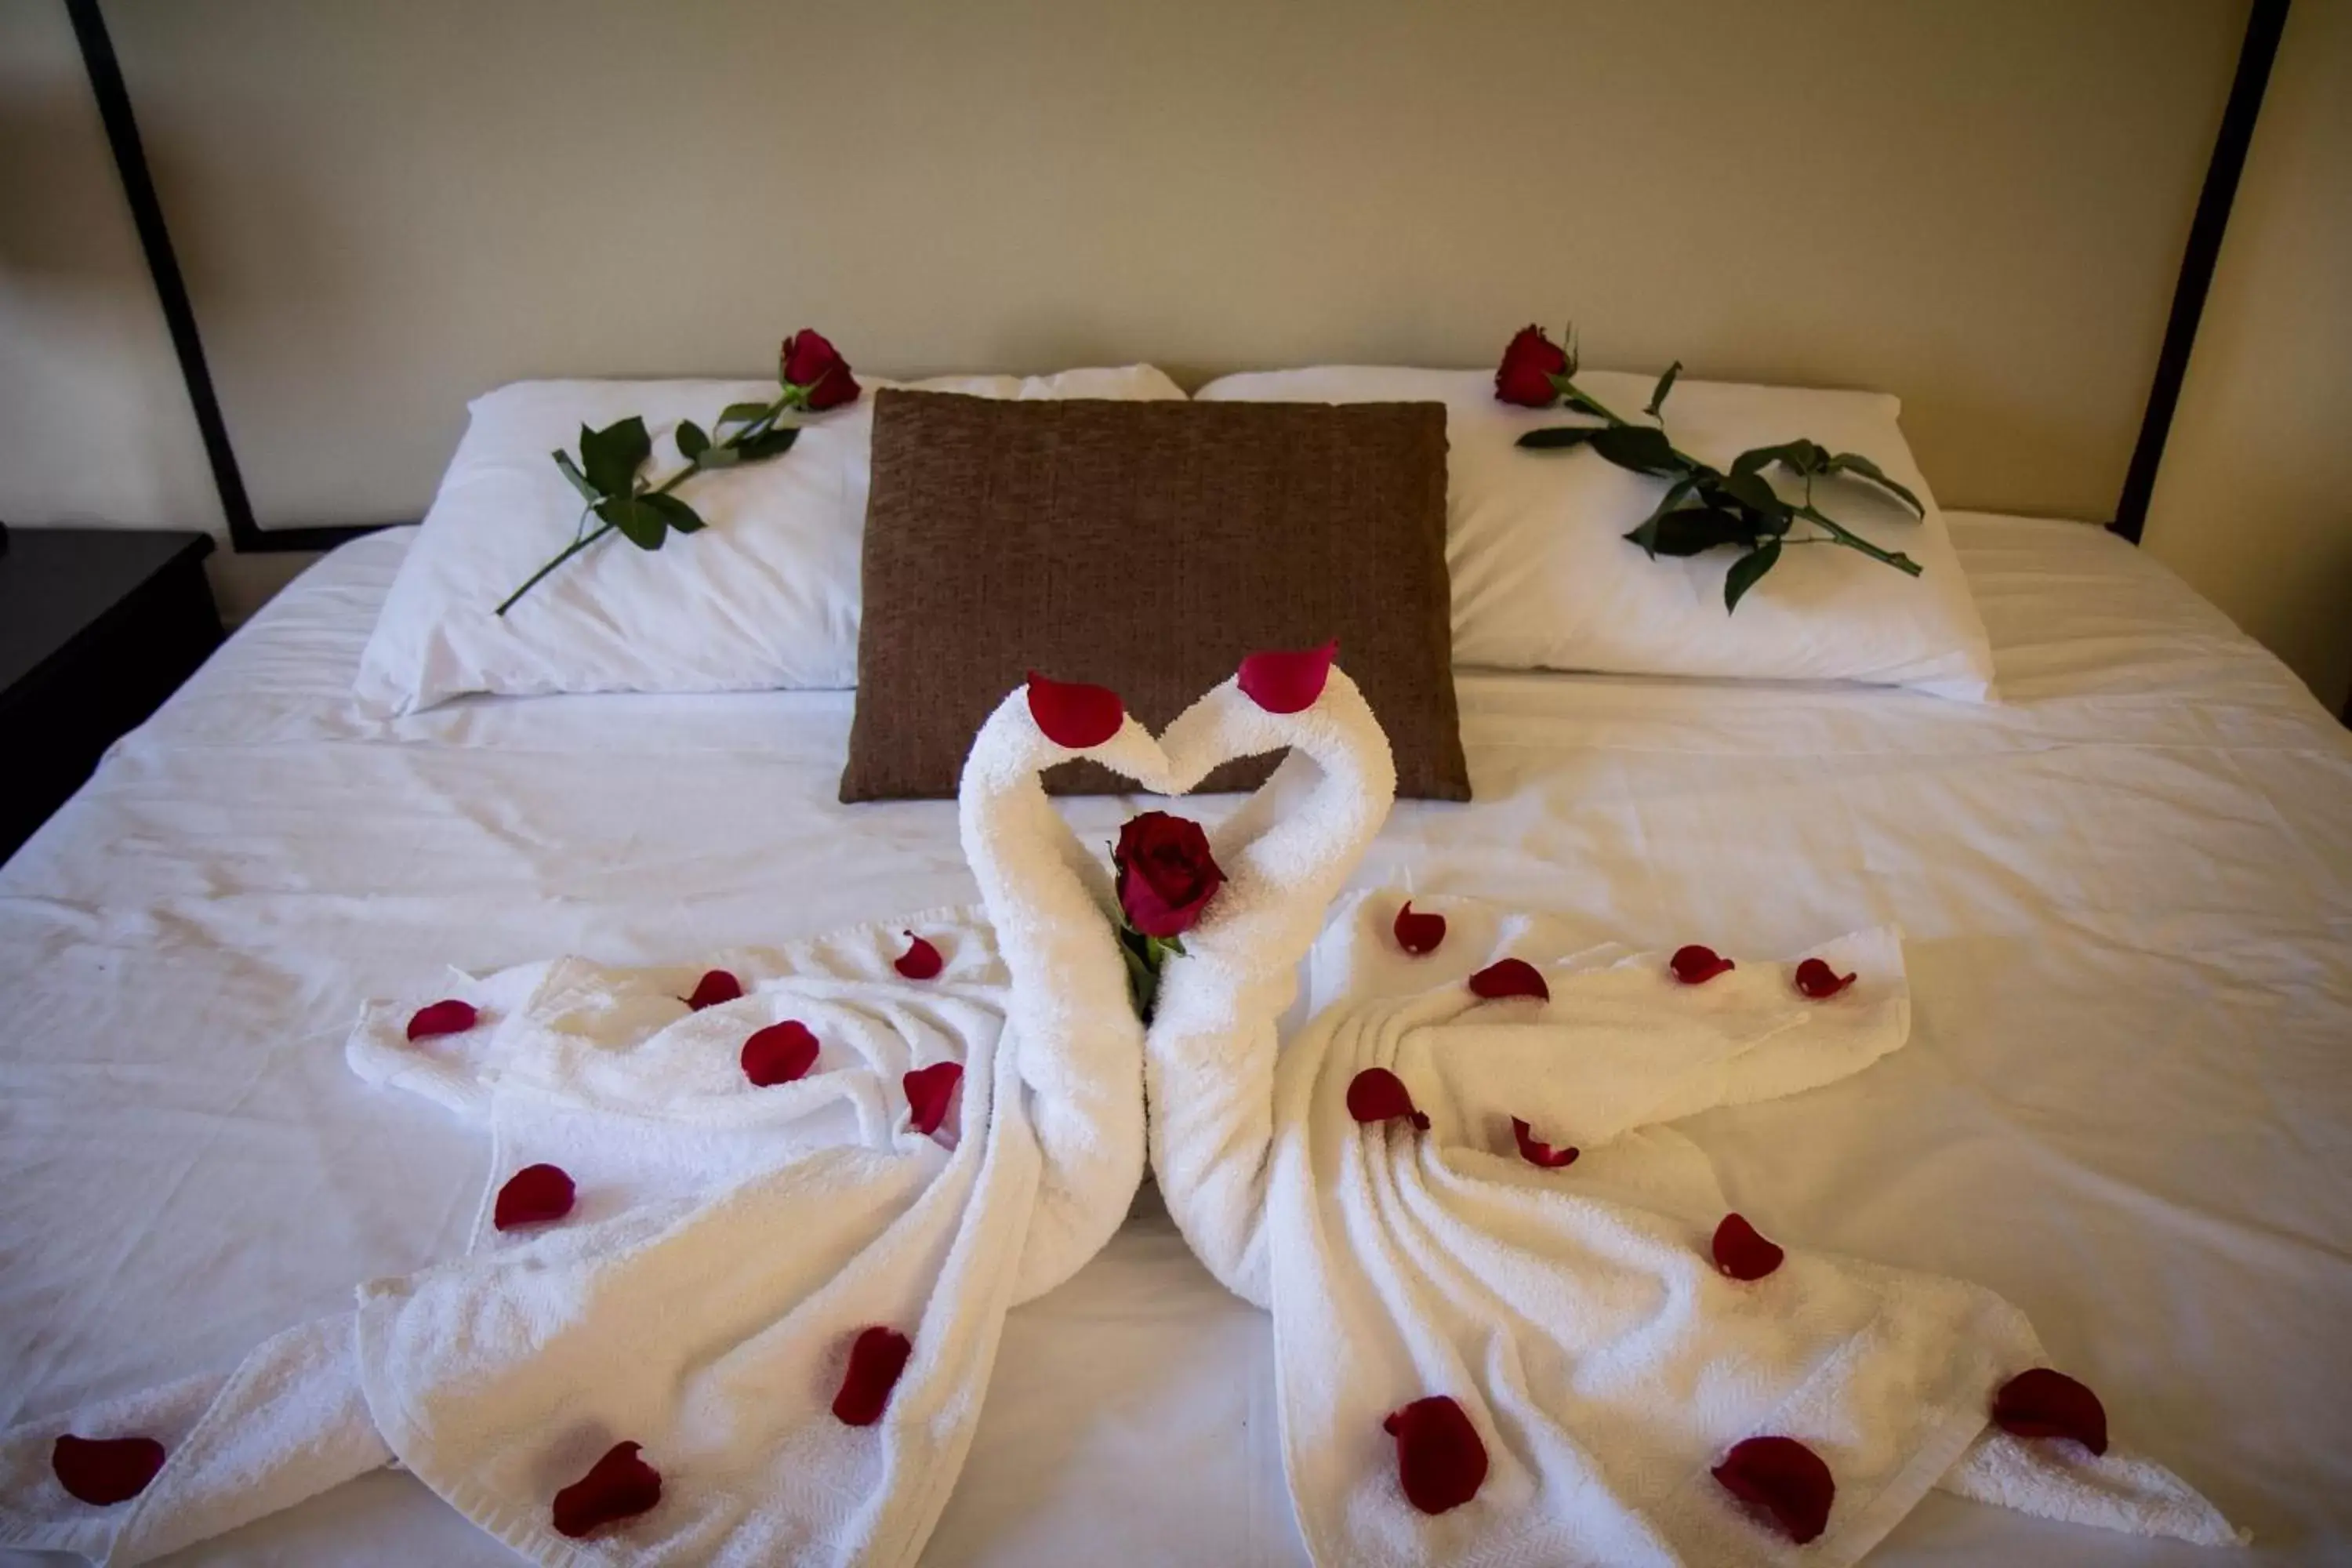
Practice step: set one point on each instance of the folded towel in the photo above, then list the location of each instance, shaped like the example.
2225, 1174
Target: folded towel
288, 1424
1576, 1314
1411, 1250
727, 1244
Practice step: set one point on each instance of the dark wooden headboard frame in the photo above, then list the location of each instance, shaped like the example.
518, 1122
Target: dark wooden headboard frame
2265, 24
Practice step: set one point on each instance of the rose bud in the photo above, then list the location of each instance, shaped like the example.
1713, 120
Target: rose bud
1528, 365
1166, 875
812, 366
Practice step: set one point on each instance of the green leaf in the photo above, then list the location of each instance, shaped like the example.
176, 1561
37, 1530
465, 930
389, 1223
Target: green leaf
691, 441
1799, 457
742, 413
579, 480
1698, 527
1751, 491
613, 455
1665, 384
674, 511
767, 444
719, 458
639, 522
1561, 436
1747, 571
1640, 447
632, 437
1855, 463
1646, 532
1142, 982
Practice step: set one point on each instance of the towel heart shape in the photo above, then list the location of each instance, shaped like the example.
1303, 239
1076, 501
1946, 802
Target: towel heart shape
1297, 698
1092, 719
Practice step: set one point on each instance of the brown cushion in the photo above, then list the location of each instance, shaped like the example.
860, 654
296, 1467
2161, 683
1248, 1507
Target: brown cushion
1147, 547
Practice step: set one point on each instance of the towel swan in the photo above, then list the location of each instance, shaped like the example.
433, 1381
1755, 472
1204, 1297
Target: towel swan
701, 1308
1486, 1359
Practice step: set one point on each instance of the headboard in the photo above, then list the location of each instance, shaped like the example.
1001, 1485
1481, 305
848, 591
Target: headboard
384, 208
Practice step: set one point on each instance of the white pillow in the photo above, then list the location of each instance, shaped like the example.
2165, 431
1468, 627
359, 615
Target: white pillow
1543, 577
764, 596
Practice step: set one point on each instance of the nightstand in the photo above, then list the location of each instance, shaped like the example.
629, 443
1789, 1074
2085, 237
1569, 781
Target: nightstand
97, 627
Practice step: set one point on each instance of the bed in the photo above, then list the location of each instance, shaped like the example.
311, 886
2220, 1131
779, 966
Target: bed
2127, 890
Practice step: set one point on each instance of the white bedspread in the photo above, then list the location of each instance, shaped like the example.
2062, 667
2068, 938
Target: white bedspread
2126, 1107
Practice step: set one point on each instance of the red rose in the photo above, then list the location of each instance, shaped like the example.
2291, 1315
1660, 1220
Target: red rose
813, 365
1166, 875
1527, 367
807, 355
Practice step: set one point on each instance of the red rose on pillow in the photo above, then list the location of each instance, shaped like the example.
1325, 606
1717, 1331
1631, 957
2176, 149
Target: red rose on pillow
1166, 875
816, 368
1527, 367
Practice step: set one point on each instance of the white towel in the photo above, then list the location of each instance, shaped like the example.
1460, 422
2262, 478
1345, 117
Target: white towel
728, 1242
1209, 1055
286, 1425
1574, 1314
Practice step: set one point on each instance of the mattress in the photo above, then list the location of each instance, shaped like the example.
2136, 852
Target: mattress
2126, 1104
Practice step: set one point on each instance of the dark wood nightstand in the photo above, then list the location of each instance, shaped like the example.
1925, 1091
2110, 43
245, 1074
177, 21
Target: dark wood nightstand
97, 627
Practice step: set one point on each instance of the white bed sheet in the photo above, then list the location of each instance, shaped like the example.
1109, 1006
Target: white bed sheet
2127, 1104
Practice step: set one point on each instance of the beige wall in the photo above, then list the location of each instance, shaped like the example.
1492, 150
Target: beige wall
2254, 504
91, 408
385, 207
94, 422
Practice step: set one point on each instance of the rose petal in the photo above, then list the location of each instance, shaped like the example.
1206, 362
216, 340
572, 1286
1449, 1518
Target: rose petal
876, 1360
618, 1486
921, 960
1536, 1153
780, 1053
1439, 1459
1419, 934
449, 1016
929, 1090
1819, 980
1741, 1253
1695, 965
1073, 715
532, 1195
1288, 682
1784, 1478
105, 1470
716, 985
2047, 1403
1511, 977
1377, 1094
